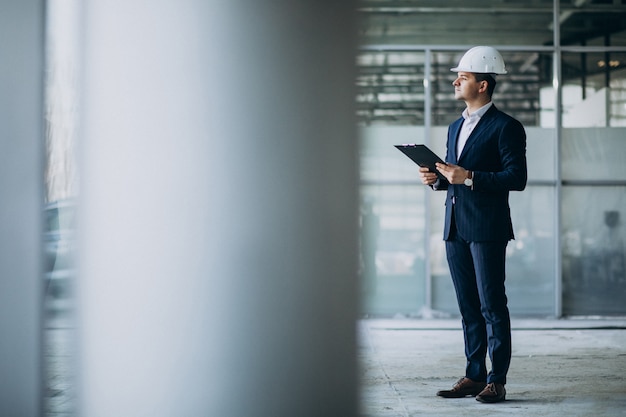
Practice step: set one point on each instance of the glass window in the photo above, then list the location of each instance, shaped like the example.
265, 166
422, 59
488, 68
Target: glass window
530, 257
594, 89
392, 222
593, 23
392, 248
593, 154
402, 38
541, 155
380, 160
454, 22
390, 88
594, 252
594, 277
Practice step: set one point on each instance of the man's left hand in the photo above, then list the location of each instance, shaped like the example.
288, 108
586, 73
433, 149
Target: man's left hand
453, 173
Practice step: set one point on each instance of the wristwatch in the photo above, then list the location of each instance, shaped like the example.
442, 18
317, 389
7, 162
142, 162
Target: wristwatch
468, 181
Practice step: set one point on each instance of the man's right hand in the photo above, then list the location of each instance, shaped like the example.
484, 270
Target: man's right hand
427, 177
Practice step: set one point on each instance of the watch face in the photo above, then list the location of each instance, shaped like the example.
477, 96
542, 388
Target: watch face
468, 182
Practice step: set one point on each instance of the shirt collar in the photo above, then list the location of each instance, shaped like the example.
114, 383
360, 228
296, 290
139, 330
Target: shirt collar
478, 113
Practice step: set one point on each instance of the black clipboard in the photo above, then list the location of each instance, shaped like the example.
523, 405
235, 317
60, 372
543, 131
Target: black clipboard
422, 156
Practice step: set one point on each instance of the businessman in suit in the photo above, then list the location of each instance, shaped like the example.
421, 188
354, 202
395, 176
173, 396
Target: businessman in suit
485, 159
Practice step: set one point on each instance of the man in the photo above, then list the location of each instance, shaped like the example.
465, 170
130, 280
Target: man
485, 159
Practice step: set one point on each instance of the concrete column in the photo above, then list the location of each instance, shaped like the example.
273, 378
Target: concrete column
21, 141
218, 209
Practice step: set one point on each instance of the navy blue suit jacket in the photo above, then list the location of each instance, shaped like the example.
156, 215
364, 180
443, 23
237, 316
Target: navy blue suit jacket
496, 154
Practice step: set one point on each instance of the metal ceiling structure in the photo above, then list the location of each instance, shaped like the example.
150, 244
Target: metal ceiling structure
405, 42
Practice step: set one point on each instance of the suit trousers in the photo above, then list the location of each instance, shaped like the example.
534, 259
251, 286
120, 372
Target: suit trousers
478, 272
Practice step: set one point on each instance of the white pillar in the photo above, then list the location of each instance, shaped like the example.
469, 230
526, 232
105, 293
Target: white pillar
21, 141
218, 209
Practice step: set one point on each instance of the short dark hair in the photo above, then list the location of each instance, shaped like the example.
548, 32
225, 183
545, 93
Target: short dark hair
491, 81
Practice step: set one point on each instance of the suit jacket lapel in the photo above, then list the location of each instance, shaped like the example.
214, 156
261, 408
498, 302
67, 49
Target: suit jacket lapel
454, 138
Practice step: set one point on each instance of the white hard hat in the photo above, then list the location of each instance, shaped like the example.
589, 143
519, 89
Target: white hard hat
481, 59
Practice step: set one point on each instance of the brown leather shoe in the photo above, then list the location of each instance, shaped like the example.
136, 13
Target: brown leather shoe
463, 387
493, 393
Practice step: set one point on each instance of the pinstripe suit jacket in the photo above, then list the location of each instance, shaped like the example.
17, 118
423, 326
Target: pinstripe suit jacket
496, 153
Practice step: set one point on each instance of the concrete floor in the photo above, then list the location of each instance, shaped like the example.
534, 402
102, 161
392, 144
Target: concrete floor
573, 367
559, 368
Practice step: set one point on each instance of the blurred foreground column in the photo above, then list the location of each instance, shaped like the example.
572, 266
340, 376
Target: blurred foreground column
218, 209
21, 179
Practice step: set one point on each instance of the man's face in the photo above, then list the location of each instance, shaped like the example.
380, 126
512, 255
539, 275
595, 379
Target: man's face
466, 87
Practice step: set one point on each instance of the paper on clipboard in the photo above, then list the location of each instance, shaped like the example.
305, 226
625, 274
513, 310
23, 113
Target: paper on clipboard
422, 156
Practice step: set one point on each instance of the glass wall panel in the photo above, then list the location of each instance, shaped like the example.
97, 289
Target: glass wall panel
531, 257
392, 223
593, 200
541, 156
381, 162
443, 298
454, 22
594, 89
594, 253
392, 249
401, 38
590, 154
390, 88
593, 22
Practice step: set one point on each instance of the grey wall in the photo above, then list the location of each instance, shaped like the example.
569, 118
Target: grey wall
218, 212
21, 119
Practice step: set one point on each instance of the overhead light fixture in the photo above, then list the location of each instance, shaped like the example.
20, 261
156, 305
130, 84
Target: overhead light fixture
614, 63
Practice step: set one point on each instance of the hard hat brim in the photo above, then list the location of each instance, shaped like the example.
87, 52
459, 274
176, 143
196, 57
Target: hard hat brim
459, 69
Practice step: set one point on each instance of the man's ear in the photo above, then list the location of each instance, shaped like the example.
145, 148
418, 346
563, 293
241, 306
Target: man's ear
483, 86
